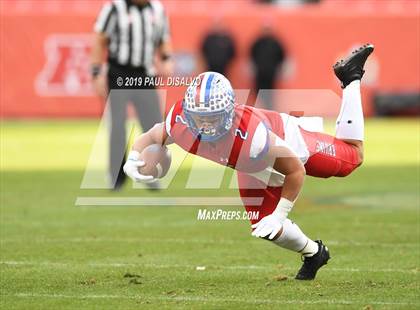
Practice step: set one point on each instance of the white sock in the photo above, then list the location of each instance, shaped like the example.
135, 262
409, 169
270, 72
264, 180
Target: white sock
292, 238
350, 122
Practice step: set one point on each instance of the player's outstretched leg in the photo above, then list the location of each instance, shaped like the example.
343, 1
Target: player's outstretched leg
314, 253
350, 122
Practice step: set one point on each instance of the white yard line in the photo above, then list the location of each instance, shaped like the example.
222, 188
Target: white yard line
192, 240
189, 267
207, 299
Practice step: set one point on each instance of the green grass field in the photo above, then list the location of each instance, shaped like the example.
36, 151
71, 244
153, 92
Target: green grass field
55, 255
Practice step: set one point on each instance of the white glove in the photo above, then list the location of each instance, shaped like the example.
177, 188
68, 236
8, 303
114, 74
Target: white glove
271, 224
131, 168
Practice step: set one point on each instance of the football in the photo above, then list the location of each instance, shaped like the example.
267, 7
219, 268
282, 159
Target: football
157, 159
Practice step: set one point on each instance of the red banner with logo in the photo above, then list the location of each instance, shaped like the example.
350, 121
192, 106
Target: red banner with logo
45, 48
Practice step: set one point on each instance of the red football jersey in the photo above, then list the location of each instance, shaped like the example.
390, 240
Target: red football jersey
241, 148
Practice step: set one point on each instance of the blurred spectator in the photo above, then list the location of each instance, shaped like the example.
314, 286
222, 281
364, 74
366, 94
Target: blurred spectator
218, 49
267, 55
130, 32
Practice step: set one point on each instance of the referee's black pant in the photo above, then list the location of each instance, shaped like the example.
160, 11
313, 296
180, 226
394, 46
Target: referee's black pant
123, 84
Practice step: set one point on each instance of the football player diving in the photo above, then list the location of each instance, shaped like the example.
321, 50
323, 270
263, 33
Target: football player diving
271, 152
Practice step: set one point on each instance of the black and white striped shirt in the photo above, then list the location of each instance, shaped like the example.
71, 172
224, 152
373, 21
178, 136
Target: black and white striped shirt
134, 32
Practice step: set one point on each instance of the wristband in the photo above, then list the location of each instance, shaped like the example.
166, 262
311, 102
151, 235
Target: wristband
95, 70
283, 208
133, 155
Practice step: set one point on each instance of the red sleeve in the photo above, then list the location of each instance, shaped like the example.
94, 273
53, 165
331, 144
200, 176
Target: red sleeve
251, 142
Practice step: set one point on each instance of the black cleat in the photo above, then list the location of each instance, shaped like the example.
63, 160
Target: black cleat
312, 264
351, 69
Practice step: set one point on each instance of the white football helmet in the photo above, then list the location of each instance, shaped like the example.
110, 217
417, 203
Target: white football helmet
209, 106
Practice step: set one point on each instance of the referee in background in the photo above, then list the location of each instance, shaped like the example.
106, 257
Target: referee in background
130, 33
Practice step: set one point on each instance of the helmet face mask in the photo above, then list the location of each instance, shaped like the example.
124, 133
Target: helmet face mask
209, 106
209, 126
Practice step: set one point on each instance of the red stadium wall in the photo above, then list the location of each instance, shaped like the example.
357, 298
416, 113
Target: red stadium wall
45, 45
